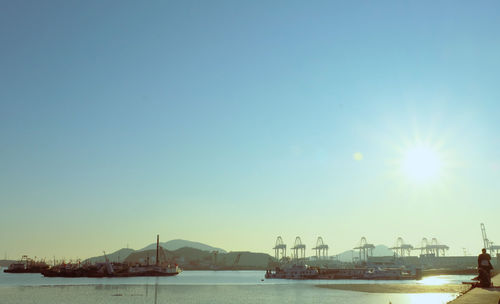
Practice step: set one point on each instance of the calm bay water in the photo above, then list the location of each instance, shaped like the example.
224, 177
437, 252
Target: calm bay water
202, 287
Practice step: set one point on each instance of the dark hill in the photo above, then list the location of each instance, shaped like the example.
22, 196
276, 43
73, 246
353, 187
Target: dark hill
191, 258
178, 244
247, 260
117, 256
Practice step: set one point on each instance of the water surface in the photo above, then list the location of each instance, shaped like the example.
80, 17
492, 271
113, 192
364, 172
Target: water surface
203, 287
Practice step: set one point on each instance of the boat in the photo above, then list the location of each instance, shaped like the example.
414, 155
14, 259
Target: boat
296, 272
72, 271
304, 272
378, 273
159, 269
154, 271
27, 265
108, 269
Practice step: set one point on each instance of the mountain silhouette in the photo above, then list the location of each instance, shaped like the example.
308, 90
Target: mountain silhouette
178, 243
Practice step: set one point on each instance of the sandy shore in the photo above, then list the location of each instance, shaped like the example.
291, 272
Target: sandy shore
398, 288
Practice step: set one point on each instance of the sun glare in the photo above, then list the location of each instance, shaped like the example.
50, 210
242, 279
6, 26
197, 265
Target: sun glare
421, 163
436, 280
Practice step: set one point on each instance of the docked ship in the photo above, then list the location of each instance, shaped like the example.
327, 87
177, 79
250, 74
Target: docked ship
27, 265
305, 272
107, 269
296, 272
77, 271
159, 269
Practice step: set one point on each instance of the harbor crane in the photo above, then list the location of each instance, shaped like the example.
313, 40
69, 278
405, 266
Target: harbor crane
433, 248
365, 249
321, 249
488, 245
279, 249
401, 248
423, 246
299, 249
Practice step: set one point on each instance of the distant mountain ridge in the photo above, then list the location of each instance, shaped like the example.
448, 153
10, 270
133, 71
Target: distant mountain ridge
117, 256
195, 259
172, 245
178, 243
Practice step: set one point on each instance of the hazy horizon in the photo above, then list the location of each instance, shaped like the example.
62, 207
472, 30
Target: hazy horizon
231, 123
309, 251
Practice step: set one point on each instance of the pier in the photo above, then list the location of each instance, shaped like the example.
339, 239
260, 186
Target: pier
481, 295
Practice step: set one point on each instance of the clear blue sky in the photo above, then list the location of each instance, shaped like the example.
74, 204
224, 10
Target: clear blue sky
233, 122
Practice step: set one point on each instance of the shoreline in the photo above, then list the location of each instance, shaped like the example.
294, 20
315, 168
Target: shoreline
399, 288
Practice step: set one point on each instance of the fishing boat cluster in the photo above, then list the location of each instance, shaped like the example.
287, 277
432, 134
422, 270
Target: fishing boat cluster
100, 270
97, 270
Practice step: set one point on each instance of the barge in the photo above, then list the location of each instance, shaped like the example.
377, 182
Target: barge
305, 272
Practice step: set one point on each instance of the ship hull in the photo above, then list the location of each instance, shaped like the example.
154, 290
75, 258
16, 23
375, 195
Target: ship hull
84, 274
37, 270
339, 274
148, 274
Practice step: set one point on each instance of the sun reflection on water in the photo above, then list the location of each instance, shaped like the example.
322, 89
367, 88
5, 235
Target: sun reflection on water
437, 280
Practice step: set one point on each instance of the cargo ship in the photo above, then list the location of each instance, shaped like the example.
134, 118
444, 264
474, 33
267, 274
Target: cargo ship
108, 269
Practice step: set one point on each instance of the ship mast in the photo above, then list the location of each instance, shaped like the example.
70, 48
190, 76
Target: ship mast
157, 248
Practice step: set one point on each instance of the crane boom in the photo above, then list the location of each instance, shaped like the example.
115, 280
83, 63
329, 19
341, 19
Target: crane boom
486, 242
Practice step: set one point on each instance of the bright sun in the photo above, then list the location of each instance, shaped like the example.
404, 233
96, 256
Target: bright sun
421, 163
